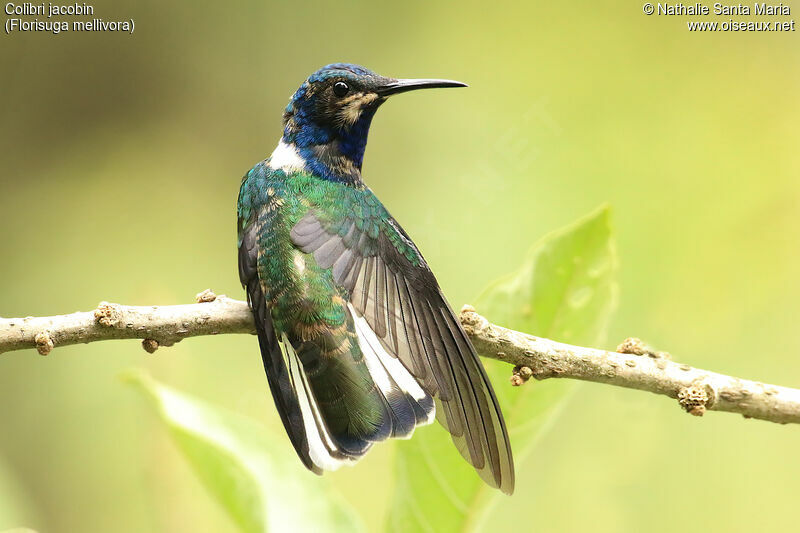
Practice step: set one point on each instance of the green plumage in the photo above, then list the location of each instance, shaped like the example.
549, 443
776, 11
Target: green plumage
358, 342
304, 301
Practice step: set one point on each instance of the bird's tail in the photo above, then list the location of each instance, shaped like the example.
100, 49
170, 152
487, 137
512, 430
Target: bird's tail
351, 394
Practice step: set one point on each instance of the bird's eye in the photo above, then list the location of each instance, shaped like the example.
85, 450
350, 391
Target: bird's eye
340, 88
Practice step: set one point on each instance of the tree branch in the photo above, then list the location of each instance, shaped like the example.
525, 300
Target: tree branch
633, 366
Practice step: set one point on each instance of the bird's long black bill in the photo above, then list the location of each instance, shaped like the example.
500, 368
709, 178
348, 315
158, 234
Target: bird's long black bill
401, 86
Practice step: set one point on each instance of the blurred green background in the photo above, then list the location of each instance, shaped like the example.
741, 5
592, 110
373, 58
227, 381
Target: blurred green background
121, 161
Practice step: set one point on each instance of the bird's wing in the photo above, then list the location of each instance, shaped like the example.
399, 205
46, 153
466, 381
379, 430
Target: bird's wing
273, 349
394, 290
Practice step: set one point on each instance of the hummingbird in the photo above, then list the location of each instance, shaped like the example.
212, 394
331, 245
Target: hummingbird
358, 341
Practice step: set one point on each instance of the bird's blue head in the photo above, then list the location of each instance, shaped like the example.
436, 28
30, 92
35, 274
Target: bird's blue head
328, 118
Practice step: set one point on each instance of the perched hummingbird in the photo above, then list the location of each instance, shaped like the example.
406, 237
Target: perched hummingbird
358, 342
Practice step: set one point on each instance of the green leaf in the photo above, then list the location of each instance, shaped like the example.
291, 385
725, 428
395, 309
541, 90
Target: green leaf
565, 290
254, 475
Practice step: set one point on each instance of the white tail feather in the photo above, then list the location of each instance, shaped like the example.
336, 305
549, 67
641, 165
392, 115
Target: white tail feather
323, 451
396, 384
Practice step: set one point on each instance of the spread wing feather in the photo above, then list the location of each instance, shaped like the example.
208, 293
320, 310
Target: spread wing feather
394, 291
